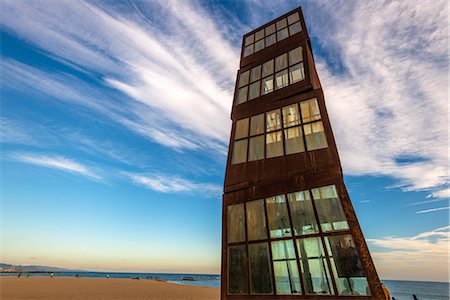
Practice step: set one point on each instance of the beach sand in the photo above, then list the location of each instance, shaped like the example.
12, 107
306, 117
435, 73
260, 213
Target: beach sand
62, 288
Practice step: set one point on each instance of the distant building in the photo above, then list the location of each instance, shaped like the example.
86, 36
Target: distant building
289, 228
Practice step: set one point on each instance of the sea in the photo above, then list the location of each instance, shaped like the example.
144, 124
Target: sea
399, 289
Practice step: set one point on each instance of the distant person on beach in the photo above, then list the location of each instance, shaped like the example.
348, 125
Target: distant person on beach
107, 275
19, 275
51, 275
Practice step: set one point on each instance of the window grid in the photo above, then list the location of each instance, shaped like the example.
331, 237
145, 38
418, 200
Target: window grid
245, 81
283, 129
294, 238
271, 34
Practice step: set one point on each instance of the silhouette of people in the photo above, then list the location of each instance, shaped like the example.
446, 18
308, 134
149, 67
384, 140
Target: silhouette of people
18, 276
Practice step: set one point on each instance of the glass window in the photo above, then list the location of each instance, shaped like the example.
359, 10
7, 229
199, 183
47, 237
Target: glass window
270, 40
315, 136
248, 50
293, 18
295, 28
291, 115
267, 85
243, 78
255, 73
249, 40
287, 280
253, 91
296, 73
278, 217
295, 56
267, 68
281, 79
293, 140
281, 24
316, 275
310, 110
239, 152
236, 229
270, 29
260, 273
282, 34
256, 220
237, 270
346, 265
274, 144
273, 121
241, 129
256, 148
257, 124
242, 95
259, 35
281, 62
302, 213
329, 209
259, 45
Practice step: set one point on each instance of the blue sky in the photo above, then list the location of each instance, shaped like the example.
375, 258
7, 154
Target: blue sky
115, 126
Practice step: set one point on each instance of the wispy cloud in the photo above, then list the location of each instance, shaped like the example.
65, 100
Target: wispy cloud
444, 193
422, 257
169, 184
57, 162
432, 210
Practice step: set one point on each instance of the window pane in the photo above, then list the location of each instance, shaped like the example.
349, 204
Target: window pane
296, 73
256, 148
267, 68
274, 144
282, 34
259, 34
291, 115
260, 274
293, 139
315, 136
254, 90
248, 50
287, 280
239, 152
329, 209
295, 28
249, 40
241, 129
316, 275
255, 73
278, 217
242, 95
281, 24
273, 120
281, 79
257, 124
259, 45
270, 40
295, 56
236, 229
237, 270
346, 265
243, 78
293, 18
270, 29
256, 220
281, 62
302, 213
267, 85
310, 110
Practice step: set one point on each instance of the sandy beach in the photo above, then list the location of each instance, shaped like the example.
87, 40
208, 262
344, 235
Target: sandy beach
61, 288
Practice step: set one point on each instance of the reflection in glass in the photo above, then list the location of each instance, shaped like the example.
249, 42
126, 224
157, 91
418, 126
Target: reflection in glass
281, 24
295, 28
259, 45
310, 110
329, 209
249, 40
293, 140
241, 129
302, 213
243, 78
270, 40
346, 265
316, 276
257, 124
256, 220
260, 273
296, 73
267, 85
235, 221
256, 148
242, 95
237, 270
281, 79
274, 144
255, 73
259, 35
239, 152
267, 68
281, 62
248, 50
295, 56
287, 280
278, 217
273, 120
270, 29
293, 18
315, 136
291, 115
254, 90
282, 34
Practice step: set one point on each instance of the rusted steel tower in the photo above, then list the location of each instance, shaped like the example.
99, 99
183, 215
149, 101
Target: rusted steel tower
289, 228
